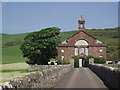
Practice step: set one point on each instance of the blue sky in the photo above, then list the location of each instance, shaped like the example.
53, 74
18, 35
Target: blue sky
23, 17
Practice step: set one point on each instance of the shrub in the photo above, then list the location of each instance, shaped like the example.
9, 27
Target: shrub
53, 59
86, 64
99, 60
65, 62
59, 61
76, 61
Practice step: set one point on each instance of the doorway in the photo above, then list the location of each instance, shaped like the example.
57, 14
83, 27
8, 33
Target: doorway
81, 62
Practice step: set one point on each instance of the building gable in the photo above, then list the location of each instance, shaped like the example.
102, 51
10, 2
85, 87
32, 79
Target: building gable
79, 32
81, 35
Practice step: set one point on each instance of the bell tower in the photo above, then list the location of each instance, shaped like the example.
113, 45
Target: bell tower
81, 23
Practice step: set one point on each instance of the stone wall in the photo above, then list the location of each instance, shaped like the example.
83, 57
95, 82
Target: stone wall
40, 67
41, 79
109, 75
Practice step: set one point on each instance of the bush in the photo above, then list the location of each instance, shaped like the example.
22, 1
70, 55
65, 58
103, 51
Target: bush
76, 61
65, 62
86, 64
99, 60
53, 59
59, 61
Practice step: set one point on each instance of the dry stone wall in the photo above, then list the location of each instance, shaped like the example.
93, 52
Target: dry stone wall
41, 79
40, 67
109, 75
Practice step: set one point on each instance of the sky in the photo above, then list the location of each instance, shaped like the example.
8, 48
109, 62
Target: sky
24, 17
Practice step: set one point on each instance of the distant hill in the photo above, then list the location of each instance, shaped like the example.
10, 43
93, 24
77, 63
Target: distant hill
11, 42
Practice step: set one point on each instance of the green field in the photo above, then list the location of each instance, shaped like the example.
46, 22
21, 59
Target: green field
13, 70
11, 52
12, 55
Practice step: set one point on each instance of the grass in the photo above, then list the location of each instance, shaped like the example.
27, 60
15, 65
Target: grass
65, 35
12, 55
19, 70
13, 37
116, 66
14, 70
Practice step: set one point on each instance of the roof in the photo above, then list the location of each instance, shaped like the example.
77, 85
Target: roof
81, 31
81, 18
102, 44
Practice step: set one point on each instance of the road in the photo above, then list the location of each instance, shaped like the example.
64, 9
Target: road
81, 78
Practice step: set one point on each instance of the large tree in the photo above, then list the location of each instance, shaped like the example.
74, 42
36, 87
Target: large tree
39, 47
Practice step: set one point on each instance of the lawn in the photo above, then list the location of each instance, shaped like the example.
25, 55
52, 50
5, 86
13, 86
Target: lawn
14, 70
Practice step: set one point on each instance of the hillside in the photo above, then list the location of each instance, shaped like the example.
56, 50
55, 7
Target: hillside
11, 43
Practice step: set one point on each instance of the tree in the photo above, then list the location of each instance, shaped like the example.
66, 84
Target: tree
76, 61
39, 47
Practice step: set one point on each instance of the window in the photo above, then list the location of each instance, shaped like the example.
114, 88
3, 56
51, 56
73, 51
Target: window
62, 57
81, 42
100, 56
81, 50
76, 51
86, 51
100, 50
62, 50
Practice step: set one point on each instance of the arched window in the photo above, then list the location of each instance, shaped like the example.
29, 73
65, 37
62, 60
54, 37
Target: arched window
81, 50
81, 42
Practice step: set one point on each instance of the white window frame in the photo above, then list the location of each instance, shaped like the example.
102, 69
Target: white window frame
100, 56
81, 50
62, 57
86, 51
76, 51
100, 50
81, 42
62, 50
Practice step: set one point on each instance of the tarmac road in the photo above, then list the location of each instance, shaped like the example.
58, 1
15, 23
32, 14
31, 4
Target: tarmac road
81, 78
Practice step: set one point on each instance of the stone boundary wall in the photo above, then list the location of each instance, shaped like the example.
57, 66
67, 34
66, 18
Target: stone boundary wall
109, 75
40, 67
40, 79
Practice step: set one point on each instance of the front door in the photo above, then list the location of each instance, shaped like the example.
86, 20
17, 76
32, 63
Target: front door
80, 62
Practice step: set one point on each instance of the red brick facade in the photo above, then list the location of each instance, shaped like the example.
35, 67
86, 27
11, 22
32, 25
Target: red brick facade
94, 47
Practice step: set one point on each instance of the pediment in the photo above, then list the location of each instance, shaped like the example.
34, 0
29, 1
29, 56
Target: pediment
80, 32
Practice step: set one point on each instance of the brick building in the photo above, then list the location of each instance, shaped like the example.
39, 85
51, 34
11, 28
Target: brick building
81, 44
